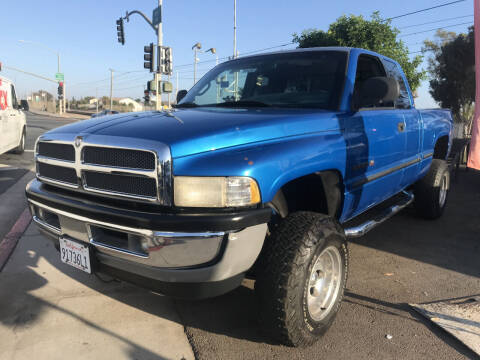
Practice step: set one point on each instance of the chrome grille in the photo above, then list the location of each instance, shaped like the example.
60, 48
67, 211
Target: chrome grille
110, 166
123, 158
57, 173
124, 184
56, 151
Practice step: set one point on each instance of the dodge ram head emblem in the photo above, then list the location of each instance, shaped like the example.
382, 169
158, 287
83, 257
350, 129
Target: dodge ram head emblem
78, 141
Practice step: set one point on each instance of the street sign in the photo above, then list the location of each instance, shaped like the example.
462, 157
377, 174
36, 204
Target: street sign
59, 77
157, 16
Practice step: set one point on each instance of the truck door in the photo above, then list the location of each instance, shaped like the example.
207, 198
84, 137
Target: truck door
14, 119
375, 147
413, 126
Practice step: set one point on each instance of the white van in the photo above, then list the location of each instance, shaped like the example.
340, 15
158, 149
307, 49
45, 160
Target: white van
13, 124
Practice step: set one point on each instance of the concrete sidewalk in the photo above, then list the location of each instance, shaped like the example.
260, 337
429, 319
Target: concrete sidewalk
49, 310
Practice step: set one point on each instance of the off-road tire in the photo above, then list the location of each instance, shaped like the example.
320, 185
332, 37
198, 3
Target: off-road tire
427, 191
20, 149
288, 257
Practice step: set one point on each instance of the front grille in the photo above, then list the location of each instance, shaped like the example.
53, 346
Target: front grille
56, 151
57, 173
125, 171
122, 158
123, 184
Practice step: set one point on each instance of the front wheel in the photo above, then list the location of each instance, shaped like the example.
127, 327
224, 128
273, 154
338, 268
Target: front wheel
302, 279
431, 192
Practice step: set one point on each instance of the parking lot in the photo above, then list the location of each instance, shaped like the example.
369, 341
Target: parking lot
53, 311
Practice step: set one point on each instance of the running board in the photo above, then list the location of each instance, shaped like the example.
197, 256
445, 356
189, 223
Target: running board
387, 213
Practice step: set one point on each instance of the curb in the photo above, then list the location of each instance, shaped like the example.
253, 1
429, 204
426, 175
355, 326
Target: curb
7, 245
60, 117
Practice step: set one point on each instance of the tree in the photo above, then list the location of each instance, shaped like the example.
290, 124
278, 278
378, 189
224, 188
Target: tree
375, 34
452, 69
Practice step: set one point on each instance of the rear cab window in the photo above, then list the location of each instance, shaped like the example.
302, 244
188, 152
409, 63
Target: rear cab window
393, 71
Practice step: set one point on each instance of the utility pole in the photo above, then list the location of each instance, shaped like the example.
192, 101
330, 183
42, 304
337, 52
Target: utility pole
111, 89
169, 93
96, 97
176, 88
64, 98
196, 48
60, 102
158, 76
234, 29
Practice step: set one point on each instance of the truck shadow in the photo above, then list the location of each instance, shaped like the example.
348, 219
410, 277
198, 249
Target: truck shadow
24, 303
451, 242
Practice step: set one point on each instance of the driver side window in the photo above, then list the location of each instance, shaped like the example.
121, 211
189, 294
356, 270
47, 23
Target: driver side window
368, 66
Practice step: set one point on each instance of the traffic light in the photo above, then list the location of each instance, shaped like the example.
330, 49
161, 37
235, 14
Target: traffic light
60, 90
166, 61
151, 86
147, 96
120, 31
149, 57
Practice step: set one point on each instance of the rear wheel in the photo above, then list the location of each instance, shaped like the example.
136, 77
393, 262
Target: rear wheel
21, 147
302, 278
431, 192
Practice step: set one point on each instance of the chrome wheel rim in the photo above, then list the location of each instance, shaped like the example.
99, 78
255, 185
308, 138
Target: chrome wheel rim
324, 283
443, 190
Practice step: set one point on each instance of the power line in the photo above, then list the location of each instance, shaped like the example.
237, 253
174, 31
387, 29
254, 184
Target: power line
241, 54
97, 81
423, 10
130, 87
440, 28
437, 21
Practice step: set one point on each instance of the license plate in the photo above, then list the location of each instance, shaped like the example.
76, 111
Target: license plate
75, 254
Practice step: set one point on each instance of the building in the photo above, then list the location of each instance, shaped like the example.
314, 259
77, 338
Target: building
135, 106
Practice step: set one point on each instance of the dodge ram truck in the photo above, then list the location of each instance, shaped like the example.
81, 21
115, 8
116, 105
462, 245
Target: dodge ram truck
262, 170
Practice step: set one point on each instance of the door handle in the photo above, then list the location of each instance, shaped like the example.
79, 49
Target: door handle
401, 126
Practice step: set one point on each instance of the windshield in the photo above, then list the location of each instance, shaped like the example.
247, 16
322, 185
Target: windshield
310, 79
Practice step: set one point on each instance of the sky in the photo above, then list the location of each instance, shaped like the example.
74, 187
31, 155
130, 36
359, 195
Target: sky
84, 34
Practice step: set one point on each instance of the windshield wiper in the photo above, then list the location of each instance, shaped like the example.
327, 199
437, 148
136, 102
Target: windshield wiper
185, 105
242, 103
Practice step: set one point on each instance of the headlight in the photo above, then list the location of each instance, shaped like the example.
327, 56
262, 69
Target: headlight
215, 191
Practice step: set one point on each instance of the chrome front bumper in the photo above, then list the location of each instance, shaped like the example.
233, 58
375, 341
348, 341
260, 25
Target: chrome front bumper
174, 256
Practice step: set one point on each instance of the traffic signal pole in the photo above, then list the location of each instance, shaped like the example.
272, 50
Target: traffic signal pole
159, 32
158, 76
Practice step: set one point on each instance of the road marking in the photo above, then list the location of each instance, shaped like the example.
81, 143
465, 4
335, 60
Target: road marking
30, 150
8, 168
5, 167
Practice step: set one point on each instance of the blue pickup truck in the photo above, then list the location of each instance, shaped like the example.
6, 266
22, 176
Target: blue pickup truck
263, 170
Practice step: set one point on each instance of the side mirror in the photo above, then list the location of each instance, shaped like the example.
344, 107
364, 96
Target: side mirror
376, 91
24, 105
180, 95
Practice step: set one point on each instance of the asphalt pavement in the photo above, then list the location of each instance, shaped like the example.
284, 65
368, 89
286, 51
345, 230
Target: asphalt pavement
36, 125
17, 170
50, 310
405, 260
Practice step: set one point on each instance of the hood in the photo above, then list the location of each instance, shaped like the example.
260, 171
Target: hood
192, 131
